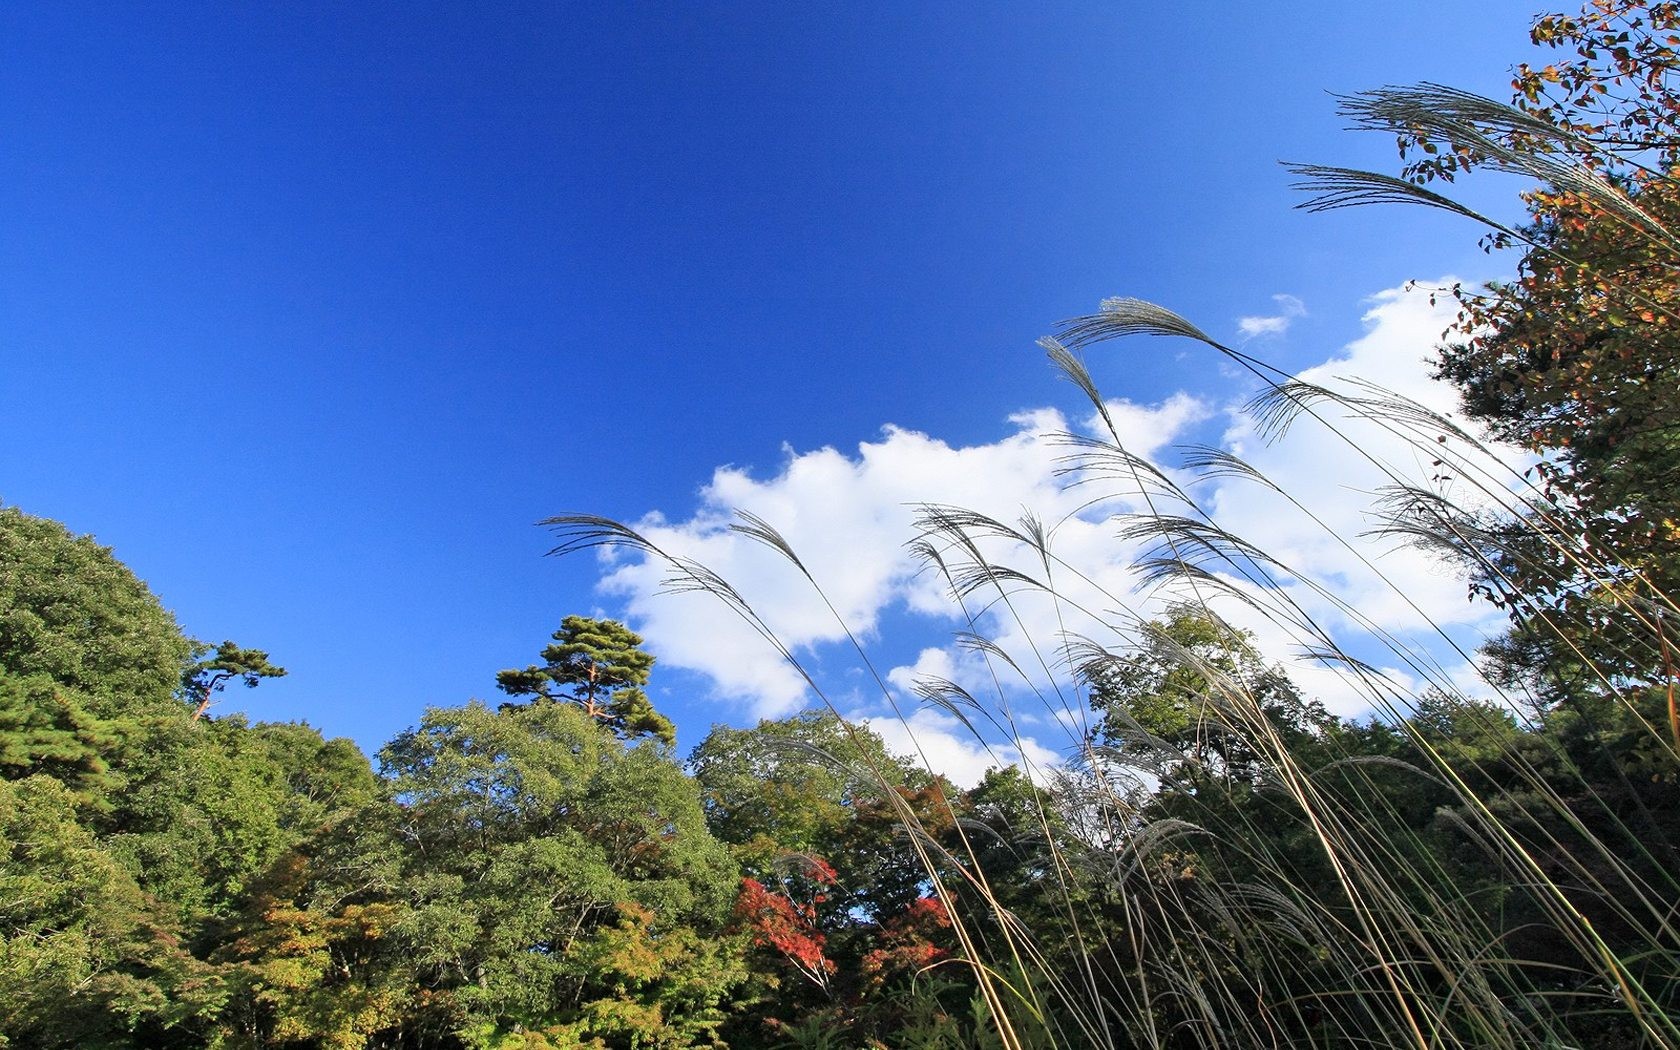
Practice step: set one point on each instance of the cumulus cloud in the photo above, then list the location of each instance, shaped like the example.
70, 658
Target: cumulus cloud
1289, 308
849, 515
944, 744
1336, 463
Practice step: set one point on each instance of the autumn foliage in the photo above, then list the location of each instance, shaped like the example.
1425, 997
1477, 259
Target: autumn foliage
788, 925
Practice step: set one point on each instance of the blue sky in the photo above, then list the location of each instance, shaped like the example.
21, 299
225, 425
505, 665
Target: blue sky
311, 311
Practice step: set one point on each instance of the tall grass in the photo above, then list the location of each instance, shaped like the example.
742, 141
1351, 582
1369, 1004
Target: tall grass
1316, 893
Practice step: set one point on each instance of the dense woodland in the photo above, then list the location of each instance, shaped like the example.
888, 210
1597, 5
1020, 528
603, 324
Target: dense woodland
1223, 863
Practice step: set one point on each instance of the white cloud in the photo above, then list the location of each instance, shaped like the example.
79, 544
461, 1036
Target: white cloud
1252, 326
849, 518
947, 746
1334, 463
1289, 308
849, 515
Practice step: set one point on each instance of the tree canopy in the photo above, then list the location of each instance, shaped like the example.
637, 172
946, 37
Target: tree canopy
1575, 359
600, 666
1218, 862
73, 612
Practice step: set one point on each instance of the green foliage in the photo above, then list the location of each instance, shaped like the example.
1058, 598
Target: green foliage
85, 960
820, 814
481, 779
526, 874
214, 668
1223, 865
45, 728
207, 807
69, 610
811, 788
1011, 830
1186, 701
789, 786
131, 831
600, 666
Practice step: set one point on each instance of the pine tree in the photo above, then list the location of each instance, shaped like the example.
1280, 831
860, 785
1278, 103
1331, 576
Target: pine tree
600, 666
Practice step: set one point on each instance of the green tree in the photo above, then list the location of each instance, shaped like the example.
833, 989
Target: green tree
1196, 700
70, 610
214, 668
205, 808
45, 728
526, 877
817, 811
813, 786
86, 960
1012, 828
130, 831
787, 785
600, 666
